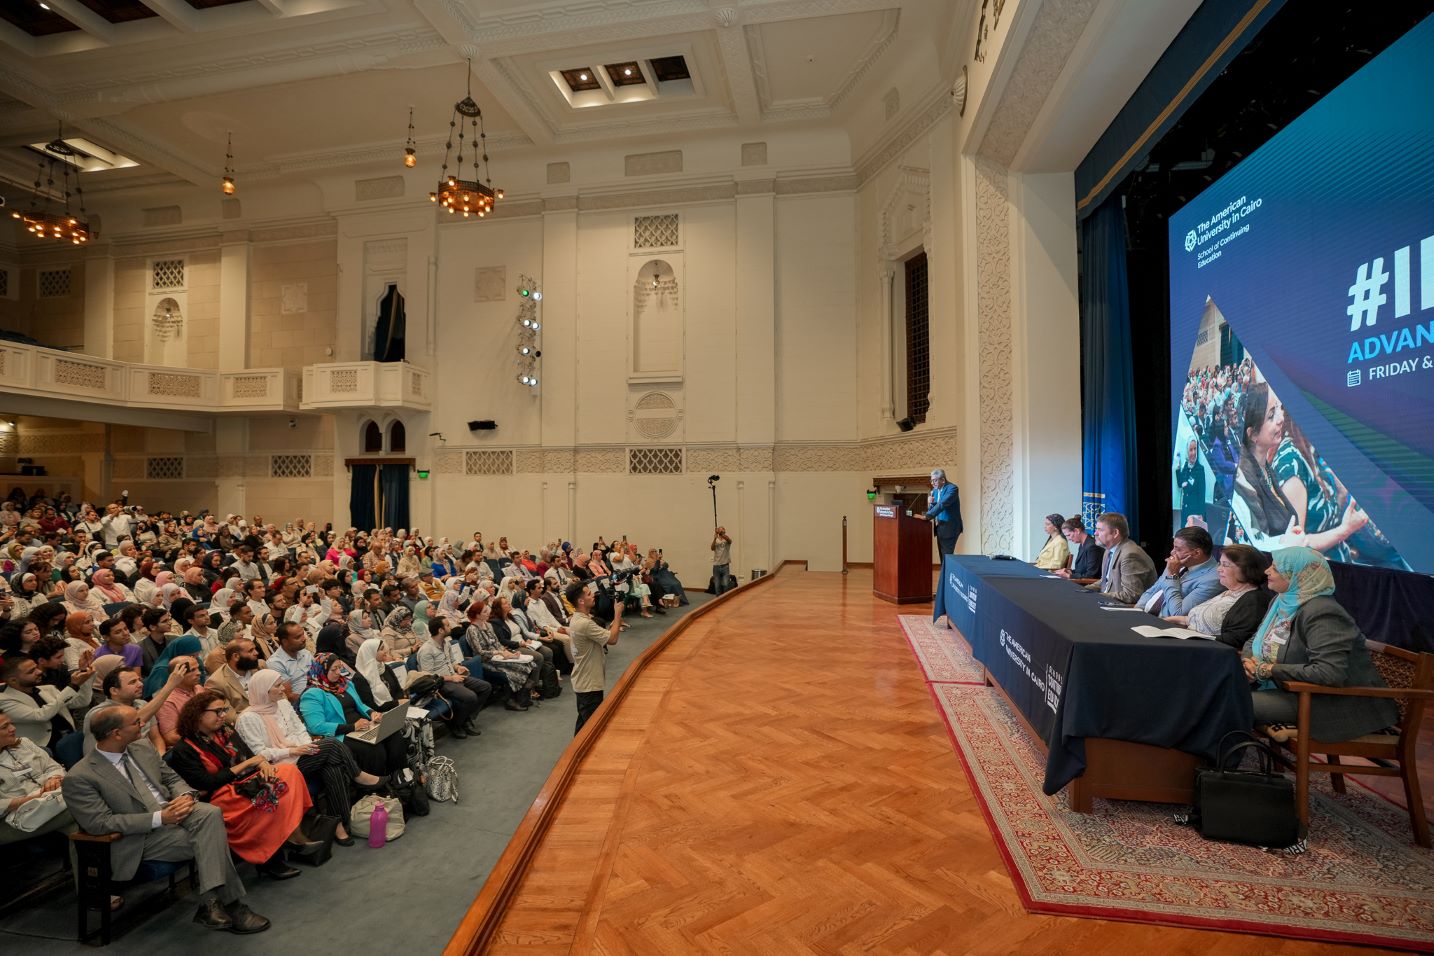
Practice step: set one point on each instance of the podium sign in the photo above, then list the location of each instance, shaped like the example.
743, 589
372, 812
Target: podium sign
901, 556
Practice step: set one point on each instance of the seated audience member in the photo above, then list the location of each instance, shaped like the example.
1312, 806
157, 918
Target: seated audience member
191, 676
41, 713
1191, 576
1307, 636
157, 623
1127, 570
516, 632
273, 730
185, 646
122, 687
1233, 615
31, 803
80, 640
104, 586
331, 707
116, 789
263, 804
18, 637
200, 630
241, 616
231, 679
1089, 555
360, 629
1055, 551
292, 660
467, 694
333, 639
375, 681
504, 669
115, 641
79, 599
398, 635
264, 633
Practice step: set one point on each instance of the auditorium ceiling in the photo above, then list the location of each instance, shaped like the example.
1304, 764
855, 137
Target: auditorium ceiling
308, 85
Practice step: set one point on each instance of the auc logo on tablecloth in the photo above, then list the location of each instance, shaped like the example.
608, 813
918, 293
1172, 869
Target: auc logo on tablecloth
971, 598
1053, 688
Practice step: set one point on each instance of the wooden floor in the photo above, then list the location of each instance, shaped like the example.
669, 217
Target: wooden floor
779, 782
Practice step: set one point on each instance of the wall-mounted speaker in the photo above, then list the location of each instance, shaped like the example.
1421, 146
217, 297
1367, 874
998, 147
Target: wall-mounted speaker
482, 425
906, 424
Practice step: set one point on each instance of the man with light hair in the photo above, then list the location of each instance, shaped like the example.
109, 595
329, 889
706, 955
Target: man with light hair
943, 510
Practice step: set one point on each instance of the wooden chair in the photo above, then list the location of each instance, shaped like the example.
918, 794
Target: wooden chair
95, 884
1410, 677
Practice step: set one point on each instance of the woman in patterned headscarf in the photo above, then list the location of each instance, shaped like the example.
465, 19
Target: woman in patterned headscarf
1307, 636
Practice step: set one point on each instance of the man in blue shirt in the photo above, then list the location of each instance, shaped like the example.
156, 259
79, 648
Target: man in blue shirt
292, 659
1191, 577
943, 510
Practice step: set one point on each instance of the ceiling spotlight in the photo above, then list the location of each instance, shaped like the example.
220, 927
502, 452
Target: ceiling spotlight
583, 77
44, 6
627, 71
524, 350
523, 378
537, 296
535, 326
532, 381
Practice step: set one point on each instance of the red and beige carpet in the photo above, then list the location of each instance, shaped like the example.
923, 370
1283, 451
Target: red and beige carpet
1362, 879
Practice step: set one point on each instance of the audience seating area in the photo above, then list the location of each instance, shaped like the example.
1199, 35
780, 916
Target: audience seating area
177, 616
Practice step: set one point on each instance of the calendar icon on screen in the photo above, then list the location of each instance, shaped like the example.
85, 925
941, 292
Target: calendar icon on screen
1351, 379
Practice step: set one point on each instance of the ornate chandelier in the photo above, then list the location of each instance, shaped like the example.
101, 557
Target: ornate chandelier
454, 193
49, 215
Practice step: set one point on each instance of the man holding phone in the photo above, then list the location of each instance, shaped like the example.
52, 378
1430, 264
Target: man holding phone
590, 642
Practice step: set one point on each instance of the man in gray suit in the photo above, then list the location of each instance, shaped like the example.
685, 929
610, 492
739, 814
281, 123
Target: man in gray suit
1191, 577
1127, 570
127, 789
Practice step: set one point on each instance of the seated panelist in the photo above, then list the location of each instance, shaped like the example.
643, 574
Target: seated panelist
1191, 576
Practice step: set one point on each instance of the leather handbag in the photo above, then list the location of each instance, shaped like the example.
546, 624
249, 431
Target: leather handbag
1254, 807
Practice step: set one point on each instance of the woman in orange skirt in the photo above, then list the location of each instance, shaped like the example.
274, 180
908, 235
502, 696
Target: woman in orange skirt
262, 803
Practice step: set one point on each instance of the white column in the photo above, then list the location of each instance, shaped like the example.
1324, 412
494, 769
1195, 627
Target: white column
1045, 336
558, 368
100, 303
756, 315
234, 254
231, 441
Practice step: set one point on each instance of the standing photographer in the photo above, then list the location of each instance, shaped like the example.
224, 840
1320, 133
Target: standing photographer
721, 560
590, 642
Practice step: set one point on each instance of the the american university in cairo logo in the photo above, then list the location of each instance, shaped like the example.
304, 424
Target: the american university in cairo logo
1190, 241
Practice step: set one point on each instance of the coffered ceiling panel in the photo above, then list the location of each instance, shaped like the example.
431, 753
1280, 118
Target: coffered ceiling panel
815, 59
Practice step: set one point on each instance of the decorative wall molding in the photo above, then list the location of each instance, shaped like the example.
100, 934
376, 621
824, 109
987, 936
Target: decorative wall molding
891, 145
906, 211
1048, 45
657, 197
996, 390
381, 187
652, 164
754, 154
802, 185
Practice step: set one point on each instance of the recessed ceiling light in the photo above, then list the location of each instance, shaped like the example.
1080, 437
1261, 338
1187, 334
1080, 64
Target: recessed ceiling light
44, 6
583, 77
627, 72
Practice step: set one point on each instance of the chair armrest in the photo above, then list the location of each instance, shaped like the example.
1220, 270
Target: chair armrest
81, 837
1300, 687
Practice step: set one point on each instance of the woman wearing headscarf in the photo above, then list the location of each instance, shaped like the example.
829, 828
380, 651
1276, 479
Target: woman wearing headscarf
80, 600
25, 591
449, 606
264, 633
1307, 636
360, 629
331, 707
398, 636
1056, 551
187, 646
108, 590
271, 728
331, 640
263, 804
145, 588
380, 688
194, 584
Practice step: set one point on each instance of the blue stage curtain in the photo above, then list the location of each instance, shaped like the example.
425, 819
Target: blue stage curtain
1108, 397
362, 496
393, 492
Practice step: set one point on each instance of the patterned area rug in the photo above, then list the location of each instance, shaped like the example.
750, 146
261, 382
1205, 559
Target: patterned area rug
940, 652
1362, 880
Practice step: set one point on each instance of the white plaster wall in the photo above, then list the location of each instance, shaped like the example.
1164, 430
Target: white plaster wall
816, 317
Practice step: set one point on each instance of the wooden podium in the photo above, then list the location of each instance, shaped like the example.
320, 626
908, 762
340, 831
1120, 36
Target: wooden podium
901, 556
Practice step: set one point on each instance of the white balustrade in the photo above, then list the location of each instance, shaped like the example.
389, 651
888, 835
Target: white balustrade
367, 385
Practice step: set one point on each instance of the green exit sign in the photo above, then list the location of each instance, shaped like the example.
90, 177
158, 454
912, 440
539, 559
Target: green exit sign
422, 475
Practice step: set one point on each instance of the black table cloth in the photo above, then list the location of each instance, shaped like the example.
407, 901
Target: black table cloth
1074, 666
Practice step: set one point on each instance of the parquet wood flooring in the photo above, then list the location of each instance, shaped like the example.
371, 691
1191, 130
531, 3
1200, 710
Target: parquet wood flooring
778, 781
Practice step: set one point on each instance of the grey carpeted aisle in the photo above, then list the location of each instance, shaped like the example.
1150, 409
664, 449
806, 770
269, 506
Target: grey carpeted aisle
409, 895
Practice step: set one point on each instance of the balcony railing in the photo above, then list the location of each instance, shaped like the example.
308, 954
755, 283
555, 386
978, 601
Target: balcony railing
73, 376
367, 385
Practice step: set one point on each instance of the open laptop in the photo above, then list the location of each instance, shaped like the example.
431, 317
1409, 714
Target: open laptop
389, 723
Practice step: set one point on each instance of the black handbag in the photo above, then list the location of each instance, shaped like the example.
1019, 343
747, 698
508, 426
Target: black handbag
1253, 807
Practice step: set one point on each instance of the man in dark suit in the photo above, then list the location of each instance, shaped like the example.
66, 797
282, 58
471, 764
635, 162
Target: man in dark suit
943, 510
122, 786
1127, 570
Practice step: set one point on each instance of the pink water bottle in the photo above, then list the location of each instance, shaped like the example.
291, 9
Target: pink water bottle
378, 826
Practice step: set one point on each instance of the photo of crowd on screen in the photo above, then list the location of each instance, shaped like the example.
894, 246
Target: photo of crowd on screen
1244, 470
